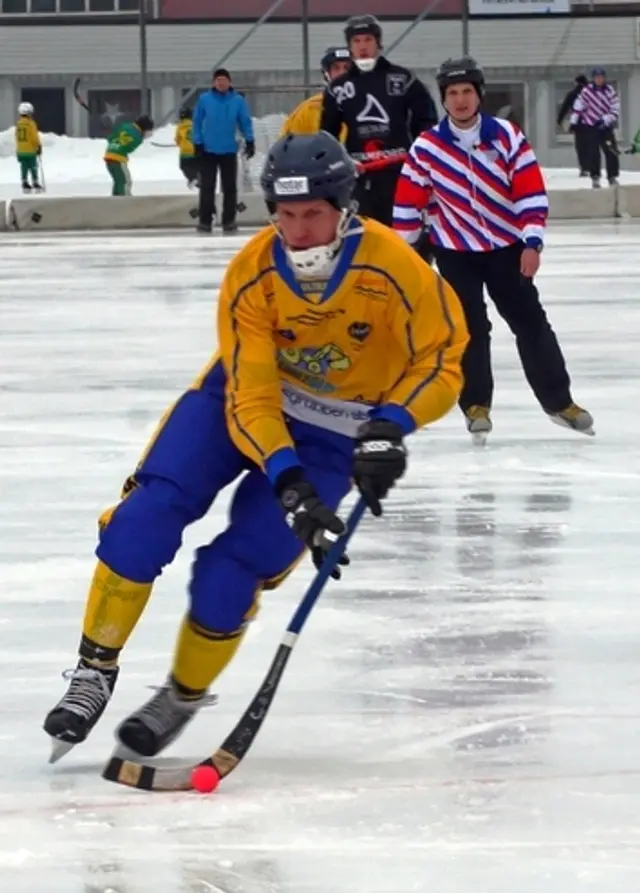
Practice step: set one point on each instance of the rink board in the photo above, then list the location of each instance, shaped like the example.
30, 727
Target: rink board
176, 211
108, 213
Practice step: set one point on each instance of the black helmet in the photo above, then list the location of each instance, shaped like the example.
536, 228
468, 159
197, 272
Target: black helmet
460, 71
185, 112
145, 123
331, 55
365, 24
300, 167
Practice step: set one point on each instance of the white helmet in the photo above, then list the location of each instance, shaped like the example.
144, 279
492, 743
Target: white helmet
25, 108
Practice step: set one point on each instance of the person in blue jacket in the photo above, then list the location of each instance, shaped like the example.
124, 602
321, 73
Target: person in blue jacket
219, 114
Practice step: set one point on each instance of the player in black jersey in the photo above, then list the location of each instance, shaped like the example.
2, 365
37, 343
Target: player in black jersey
384, 107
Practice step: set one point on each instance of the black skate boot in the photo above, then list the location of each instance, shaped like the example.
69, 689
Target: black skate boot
158, 723
74, 716
26, 187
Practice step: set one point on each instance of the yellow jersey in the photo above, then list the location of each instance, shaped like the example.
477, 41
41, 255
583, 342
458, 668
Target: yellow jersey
305, 118
384, 331
184, 138
27, 136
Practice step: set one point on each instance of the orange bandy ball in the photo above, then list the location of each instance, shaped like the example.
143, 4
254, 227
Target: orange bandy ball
204, 779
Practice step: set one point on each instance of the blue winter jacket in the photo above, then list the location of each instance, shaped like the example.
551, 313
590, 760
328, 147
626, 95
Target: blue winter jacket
216, 120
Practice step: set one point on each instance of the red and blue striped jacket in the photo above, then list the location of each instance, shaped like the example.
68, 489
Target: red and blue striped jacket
596, 105
480, 199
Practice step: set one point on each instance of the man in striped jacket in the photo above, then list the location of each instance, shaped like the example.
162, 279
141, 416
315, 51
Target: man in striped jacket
479, 184
597, 109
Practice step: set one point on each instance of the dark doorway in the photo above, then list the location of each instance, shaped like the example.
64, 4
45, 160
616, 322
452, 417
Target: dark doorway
49, 105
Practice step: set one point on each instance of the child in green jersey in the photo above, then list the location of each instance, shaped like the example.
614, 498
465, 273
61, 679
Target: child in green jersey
121, 142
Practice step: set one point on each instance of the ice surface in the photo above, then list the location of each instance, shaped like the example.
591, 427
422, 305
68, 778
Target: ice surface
461, 714
74, 166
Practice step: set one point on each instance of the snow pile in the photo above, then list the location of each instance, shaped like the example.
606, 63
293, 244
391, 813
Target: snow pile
74, 165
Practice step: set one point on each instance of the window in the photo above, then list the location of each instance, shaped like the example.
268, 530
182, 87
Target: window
101, 5
507, 101
128, 5
14, 6
72, 5
43, 6
561, 89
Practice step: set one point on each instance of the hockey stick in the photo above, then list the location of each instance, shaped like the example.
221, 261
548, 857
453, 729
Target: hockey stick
77, 97
378, 164
43, 181
236, 745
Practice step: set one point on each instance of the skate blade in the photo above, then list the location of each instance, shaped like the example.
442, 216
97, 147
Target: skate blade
479, 438
562, 423
59, 749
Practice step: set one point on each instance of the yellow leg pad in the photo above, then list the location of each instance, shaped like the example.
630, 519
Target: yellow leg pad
113, 607
201, 655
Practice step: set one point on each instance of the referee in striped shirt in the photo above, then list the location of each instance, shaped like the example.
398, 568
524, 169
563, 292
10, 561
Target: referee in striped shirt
476, 180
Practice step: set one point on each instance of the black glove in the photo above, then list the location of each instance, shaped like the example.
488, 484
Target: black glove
310, 519
39, 150
572, 128
249, 149
198, 149
379, 460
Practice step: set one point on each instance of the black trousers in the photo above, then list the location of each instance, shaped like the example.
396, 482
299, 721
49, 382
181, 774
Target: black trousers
517, 301
190, 167
375, 193
602, 140
581, 144
210, 164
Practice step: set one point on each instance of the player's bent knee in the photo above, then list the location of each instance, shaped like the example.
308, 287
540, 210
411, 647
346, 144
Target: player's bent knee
142, 534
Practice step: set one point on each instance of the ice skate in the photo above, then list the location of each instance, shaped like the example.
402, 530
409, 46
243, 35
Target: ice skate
26, 187
613, 181
75, 715
574, 417
595, 182
38, 187
478, 424
160, 721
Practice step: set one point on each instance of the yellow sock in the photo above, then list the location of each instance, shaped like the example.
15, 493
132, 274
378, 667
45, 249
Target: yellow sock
201, 655
114, 605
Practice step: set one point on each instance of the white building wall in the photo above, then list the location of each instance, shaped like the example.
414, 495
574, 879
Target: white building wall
539, 52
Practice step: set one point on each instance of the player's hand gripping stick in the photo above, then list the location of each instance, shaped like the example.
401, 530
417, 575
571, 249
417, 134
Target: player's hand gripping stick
309, 518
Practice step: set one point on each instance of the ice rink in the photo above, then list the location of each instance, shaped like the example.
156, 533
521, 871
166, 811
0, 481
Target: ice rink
462, 712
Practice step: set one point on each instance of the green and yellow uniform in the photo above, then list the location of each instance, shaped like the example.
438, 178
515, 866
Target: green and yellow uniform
121, 143
28, 148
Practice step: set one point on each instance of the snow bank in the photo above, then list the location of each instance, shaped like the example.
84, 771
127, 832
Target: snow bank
74, 166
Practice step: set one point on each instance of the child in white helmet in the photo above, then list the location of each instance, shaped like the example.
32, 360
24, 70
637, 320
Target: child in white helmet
28, 147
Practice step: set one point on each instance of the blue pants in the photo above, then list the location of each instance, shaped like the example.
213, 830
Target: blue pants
188, 462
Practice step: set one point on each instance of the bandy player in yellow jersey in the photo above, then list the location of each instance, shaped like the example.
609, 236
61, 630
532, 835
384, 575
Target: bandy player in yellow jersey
336, 342
305, 118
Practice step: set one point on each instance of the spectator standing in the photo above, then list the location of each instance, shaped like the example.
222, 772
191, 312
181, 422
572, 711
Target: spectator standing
597, 108
219, 114
577, 130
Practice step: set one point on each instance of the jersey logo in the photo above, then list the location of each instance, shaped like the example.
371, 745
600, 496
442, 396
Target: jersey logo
373, 113
310, 365
396, 84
